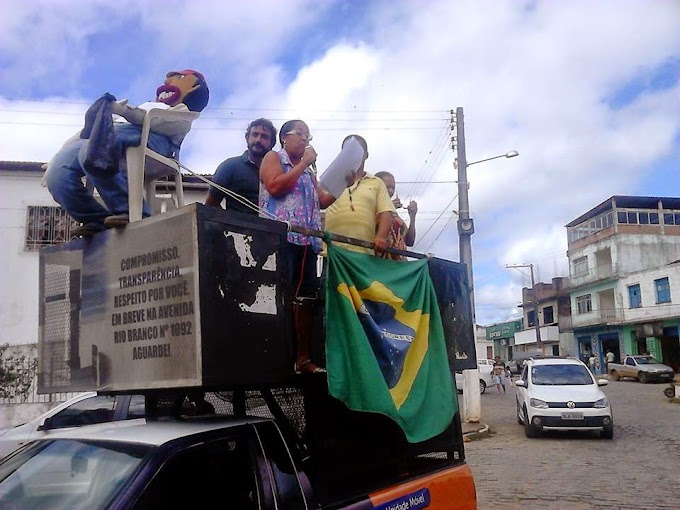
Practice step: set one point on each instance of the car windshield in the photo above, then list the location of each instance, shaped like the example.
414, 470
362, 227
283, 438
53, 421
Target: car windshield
645, 360
560, 375
71, 474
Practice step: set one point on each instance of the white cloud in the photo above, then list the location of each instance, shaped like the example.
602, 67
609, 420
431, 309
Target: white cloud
539, 77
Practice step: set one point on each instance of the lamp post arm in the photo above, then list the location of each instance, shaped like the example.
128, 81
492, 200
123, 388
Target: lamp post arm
487, 159
510, 154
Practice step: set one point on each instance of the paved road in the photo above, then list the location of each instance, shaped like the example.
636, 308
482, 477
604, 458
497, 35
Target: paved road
638, 469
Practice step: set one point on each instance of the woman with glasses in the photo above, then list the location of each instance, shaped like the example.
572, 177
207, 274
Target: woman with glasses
289, 191
400, 236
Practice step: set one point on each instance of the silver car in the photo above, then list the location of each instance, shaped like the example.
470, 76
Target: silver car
485, 379
83, 409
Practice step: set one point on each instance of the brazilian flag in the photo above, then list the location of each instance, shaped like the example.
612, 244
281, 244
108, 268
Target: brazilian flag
385, 349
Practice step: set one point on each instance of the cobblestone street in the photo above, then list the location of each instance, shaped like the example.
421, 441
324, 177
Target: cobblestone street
638, 469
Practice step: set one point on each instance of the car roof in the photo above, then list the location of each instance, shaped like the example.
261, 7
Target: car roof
153, 432
554, 361
63, 405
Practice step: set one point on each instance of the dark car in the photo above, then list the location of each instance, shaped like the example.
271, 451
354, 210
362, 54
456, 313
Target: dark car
515, 366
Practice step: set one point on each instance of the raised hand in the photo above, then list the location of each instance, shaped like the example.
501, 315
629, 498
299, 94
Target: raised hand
309, 157
412, 208
119, 107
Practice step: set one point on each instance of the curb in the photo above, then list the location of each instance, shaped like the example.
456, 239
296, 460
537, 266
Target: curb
477, 434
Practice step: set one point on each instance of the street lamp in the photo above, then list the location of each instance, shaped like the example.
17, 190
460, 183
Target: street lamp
466, 226
510, 154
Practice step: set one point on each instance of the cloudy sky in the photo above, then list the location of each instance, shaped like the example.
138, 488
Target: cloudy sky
588, 92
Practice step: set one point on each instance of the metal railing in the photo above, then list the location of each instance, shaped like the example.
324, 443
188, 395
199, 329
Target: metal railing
593, 274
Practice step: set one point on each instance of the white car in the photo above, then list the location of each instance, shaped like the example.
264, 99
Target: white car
485, 379
83, 409
561, 394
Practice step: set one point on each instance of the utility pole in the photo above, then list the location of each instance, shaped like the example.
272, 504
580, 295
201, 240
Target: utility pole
466, 226
539, 344
472, 401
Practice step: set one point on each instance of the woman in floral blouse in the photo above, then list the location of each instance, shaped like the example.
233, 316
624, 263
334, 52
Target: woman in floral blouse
289, 191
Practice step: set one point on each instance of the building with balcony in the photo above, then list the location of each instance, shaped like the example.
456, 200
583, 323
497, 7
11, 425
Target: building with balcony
624, 283
544, 306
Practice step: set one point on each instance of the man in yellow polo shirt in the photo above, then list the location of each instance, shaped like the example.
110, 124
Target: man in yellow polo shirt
363, 211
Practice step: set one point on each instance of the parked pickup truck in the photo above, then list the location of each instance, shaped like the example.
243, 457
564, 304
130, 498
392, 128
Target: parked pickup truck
643, 368
255, 462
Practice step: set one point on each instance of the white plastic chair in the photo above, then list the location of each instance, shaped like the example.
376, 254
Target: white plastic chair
145, 166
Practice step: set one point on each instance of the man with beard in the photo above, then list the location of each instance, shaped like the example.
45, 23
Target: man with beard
240, 175
110, 127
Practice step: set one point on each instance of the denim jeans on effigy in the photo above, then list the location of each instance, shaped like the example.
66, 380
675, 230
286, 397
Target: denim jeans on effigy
66, 170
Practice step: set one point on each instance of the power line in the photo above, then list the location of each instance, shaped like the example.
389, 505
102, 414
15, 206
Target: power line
428, 182
433, 162
245, 119
259, 109
440, 233
223, 128
436, 220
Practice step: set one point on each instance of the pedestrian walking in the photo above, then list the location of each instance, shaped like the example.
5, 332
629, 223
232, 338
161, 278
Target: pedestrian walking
508, 374
498, 374
610, 359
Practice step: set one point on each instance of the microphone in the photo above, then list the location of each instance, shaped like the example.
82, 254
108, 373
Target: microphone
313, 163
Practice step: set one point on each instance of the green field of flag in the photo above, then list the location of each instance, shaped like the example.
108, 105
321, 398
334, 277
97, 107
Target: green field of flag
385, 348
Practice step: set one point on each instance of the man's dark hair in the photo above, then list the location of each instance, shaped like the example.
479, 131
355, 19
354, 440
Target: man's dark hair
264, 123
360, 139
384, 173
198, 99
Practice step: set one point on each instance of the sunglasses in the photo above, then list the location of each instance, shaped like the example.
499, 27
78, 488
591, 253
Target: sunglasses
304, 136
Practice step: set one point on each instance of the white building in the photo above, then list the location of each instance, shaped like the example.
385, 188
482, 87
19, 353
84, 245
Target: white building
483, 346
30, 219
624, 258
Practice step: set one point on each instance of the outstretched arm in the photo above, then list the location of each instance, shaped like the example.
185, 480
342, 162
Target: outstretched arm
410, 236
275, 180
325, 198
160, 125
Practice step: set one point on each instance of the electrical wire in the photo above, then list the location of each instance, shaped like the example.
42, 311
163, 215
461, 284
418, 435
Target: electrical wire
440, 233
435, 221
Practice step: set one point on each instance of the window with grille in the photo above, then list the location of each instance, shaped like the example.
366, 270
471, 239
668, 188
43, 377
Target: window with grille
46, 225
671, 218
584, 304
638, 217
591, 226
581, 266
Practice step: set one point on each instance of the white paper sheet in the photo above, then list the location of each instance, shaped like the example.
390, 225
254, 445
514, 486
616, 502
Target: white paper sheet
344, 166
